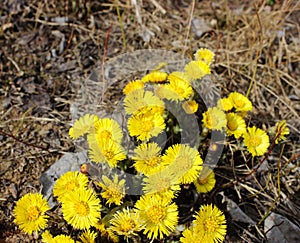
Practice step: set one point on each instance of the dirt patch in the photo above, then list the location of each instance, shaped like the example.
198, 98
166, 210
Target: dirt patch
45, 47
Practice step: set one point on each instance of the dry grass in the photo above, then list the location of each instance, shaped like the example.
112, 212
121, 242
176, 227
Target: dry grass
257, 53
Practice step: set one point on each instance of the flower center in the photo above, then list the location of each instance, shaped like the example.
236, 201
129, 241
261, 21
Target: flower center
184, 163
210, 224
147, 125
33, 213
203, 180
163, 185
71, 185
114, 191
156, 214
104, 134
153, 161
108, 154
239, 103
127, 225
179, 91
232, 125
82, 208
255, 141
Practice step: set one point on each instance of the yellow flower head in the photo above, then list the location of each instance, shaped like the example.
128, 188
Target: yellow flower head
146, 125
68, 182
133, 85
190, 107
158, 215
214, 118
81, 208
281, 131
102, 151
126, 223
163, 183
108, 128
256, 140
62, 239
47, 237
211, 221
113, 191
196, 70
178, 76
30, 212
204, 55
236, 125
206, 181
184, 162
176, 90
82, 126
147, 158
88, 236
209, 226
240, 102
155, 77
138, 100
189, 236
225, 104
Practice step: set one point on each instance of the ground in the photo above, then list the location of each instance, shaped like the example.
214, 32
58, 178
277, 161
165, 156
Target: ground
47, 48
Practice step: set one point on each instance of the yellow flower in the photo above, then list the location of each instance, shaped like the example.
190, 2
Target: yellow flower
81, 208
105, 151
88, 236
155, 77
133, 85
209, 224
204, 55
158, 215
184, 162
256, 140
189, 236
225, 104
240, 102
126, 223
147, 158
181, 76
146, 125
190, 107
47, 237
205, 181
138, 100
236, 125
68, 182
196, 70
163, 183
214, 118
63, 239
82, 126
107, 128
113, 191
281, 131
30, 212
176, 90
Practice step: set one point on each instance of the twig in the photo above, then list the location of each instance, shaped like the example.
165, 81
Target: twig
23, 142
160, 8
189, 26
104, 57
121, 23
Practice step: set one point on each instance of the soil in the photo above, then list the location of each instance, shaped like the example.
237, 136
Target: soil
49, 49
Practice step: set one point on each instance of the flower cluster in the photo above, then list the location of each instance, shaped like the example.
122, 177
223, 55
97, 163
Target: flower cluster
98, 207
